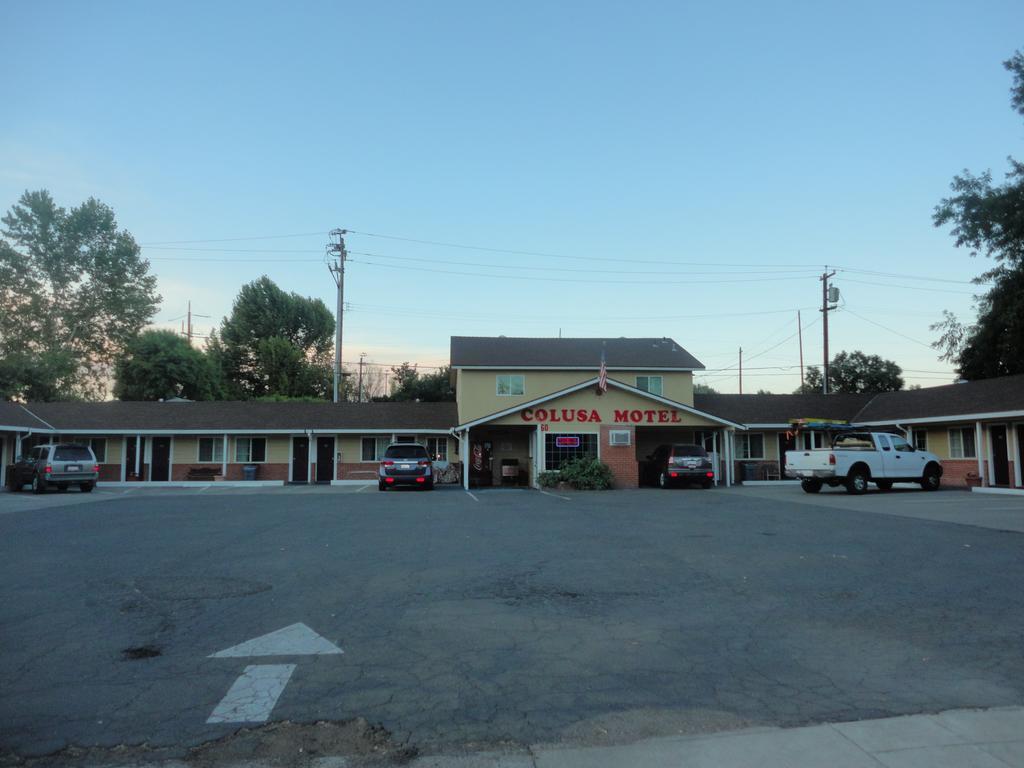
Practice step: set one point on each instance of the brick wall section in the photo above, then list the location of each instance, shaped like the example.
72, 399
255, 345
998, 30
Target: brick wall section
621, 459
366, 471
180, 471
110, 472
955, 471
265, 472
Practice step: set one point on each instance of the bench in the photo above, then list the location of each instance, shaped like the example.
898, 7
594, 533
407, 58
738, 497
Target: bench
205, 474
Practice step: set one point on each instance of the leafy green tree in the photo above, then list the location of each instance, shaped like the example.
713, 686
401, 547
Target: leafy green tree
160, 364
275, 343
855, 372
987, 218
704, 389
73, 291
409, 384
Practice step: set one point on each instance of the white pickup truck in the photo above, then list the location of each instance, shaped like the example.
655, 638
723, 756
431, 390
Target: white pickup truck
858, 458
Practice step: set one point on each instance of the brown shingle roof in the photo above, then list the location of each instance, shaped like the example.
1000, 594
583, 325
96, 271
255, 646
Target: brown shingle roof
255, 416
1005, 393
522, 352
14, 415
779, 409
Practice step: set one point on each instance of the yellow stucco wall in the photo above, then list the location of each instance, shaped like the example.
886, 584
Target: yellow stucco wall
606, 405
475, 391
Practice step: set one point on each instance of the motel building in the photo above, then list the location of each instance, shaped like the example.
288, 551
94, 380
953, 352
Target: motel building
523, 406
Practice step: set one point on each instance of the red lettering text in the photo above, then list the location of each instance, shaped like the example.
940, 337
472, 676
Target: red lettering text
540, 414
527, 414
595, 416
650, 416
621, 416
636, 415
663, 417
675, 418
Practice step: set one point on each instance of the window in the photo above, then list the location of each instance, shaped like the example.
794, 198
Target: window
250, 449
921, 440
437, 447
406, 452
899, 444
650, 384
509, 384
813, 440
211, 449
559, 449
961, 443
373, 448
99, 448
750, 445
71, 453
405, 438
705, 439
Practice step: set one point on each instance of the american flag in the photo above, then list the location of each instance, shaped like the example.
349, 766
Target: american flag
602, 377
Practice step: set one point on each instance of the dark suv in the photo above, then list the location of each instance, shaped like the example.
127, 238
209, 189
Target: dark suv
61, 465
680, 463
406, 464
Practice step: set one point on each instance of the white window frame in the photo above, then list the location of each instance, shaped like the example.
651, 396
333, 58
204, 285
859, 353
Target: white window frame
433, 446
249, 441
216, 452
380, 445
920, 435
743, 446
648, 380
509, 379
959, 449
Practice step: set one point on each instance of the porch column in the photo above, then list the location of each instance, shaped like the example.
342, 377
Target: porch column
124, 458
538, 447
978, 449
170, 460
715, 453
224, 459
1014, 450
464, 455
3, 461
334, 470
727, 455
138, 455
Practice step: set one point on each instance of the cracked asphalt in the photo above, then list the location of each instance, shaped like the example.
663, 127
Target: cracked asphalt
515, 617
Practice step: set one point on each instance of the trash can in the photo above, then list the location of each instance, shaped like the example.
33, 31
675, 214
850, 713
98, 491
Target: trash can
249, 472
750, 470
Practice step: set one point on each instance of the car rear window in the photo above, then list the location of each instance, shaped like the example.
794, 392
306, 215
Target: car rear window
72, 453
688, 450
405, 452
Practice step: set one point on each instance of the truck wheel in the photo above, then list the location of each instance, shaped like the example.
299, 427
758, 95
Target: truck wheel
38, 484
884, 485
931, 479
663, 480
810, 486
857, 482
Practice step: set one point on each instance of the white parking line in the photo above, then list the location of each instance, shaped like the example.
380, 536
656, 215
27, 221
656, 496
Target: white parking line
474, 498
567, 498
362, 488
253, 695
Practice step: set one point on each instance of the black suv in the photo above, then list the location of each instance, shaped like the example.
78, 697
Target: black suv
60, 465
679, 463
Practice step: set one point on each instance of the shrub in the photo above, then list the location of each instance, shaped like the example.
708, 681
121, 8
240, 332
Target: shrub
549, 479
587, 474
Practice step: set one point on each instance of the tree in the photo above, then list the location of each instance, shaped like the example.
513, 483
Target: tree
159, 364
275, 343
989, 219
855, 372
409, 384
73, 290
704, 389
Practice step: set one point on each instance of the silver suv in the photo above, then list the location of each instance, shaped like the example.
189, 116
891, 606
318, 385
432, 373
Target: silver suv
61, 465
406, 464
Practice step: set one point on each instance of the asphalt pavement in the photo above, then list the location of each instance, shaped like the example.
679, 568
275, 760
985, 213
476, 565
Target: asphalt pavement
498, 619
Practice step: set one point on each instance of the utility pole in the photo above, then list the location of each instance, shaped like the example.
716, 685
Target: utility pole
825, 309
800, 333
360, 392
186, 328
741, 370
336, 249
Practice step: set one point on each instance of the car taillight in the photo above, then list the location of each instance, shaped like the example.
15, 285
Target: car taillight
95, 467
423, 463
389, 479
673, 474
421, 479
387, 463
711, 474
48, 469
831, 458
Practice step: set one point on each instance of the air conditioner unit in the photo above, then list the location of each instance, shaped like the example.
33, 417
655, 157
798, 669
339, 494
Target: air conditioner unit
620, 437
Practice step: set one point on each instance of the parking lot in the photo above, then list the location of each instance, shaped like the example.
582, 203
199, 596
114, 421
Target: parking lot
502, 616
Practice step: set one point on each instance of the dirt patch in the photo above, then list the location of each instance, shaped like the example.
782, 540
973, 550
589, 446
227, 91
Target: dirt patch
141, 652
297, 744
636, 724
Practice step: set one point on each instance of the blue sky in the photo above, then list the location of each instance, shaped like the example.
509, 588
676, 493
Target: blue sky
699, 162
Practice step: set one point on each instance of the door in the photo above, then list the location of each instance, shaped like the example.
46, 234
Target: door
324, 459
300, 459
1000, 456
787, 442
160, 464
130, 448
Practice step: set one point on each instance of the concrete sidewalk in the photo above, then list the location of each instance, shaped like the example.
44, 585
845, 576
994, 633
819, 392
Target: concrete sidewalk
963, 738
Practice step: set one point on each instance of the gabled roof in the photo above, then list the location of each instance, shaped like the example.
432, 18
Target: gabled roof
612, 383
122, 416
523, 352
984, 396
779, 409
15, 417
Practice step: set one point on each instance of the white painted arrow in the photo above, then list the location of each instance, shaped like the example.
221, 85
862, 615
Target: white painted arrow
254, 694
295, 640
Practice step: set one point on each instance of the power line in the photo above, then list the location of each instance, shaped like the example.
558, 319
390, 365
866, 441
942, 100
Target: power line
887, 328
321, 233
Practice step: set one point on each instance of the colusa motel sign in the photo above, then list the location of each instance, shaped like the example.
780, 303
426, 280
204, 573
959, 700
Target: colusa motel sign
591, 415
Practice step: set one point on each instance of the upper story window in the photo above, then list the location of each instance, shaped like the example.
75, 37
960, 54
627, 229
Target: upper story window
650, 384
509, 384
